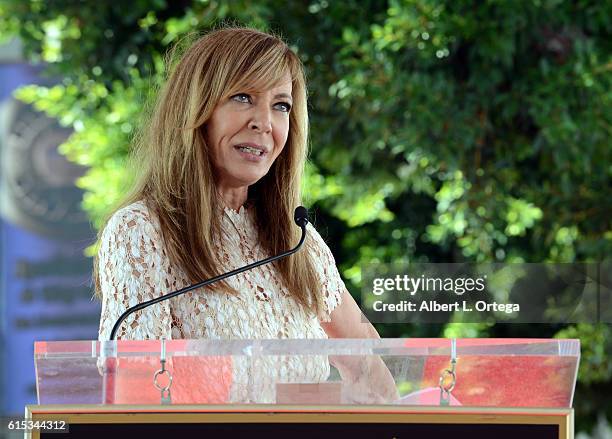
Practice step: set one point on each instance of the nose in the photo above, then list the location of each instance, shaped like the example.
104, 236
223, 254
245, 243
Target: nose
261, 120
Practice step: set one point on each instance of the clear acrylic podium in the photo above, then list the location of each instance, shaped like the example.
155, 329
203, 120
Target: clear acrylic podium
269, 387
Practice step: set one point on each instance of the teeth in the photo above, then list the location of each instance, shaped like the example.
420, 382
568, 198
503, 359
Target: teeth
250, 150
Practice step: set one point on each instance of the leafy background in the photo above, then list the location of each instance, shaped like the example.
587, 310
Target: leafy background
448, 130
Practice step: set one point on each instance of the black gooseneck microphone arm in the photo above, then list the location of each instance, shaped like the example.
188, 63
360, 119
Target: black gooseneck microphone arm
300, 217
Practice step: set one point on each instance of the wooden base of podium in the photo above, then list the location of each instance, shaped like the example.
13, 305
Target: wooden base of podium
294, 421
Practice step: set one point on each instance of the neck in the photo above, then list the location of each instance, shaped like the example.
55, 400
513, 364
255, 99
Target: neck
233, 197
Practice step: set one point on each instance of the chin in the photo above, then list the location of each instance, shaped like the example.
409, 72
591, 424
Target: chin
249, 179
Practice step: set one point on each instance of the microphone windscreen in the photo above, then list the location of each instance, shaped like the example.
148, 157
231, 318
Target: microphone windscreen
300, 216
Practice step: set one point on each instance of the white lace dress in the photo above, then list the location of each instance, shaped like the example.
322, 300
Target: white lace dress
134, 267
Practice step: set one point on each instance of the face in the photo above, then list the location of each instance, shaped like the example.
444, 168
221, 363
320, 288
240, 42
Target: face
247, 132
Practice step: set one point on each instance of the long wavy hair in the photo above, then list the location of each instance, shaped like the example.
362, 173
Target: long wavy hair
174, 163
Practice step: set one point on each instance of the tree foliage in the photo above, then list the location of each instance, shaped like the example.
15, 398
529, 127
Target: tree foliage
441, 130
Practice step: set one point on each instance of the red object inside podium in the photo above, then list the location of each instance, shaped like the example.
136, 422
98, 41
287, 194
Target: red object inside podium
489, 372
502, 381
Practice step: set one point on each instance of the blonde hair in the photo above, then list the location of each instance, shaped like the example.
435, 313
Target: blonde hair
176, 173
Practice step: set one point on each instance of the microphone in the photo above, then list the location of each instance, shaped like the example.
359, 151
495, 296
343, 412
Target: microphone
300, 216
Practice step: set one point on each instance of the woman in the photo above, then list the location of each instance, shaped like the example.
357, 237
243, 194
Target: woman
220, 169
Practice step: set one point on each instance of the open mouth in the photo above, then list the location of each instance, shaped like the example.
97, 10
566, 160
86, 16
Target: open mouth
250, 149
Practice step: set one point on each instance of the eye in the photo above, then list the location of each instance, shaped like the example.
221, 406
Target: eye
284, 106
242, 97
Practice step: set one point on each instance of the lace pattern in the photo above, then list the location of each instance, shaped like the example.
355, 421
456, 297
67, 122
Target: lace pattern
134, 267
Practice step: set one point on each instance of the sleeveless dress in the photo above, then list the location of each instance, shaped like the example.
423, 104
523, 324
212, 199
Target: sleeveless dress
134, 267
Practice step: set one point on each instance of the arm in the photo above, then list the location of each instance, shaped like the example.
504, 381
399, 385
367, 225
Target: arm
347, 320
367, 377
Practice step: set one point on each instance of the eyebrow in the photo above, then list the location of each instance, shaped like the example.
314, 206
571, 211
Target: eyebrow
283, 95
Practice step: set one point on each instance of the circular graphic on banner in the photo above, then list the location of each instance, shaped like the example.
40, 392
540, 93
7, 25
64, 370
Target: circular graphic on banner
37, 188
